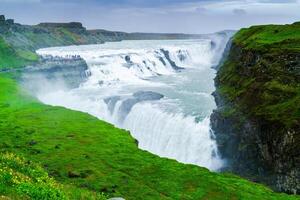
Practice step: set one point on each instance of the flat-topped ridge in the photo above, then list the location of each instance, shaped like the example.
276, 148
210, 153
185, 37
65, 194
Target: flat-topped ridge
63, 25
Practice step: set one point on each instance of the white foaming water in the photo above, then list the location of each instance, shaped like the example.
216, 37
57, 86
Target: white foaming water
158, 90
179, 137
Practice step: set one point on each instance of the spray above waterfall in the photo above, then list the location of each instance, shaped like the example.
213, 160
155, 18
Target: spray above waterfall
158, 90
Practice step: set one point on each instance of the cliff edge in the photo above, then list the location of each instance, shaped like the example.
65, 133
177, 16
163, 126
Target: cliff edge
257, 122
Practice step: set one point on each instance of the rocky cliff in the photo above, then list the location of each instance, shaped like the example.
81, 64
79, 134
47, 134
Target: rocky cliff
55, 72
257, 123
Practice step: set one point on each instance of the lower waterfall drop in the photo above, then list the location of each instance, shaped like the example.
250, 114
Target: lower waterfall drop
173, 136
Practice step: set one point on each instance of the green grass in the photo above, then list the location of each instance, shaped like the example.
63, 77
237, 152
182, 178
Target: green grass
9, 58
28, 55
19, 178
270, 37
73, 38
104, 159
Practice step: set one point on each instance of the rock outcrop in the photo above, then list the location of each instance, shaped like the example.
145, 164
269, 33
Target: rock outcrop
69, 71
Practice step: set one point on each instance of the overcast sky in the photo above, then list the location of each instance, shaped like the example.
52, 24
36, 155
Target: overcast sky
186, 16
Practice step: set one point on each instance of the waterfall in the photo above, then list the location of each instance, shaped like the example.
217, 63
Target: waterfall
173, 136
158, 90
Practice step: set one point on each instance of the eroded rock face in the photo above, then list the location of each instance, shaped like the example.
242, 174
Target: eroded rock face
258, 151
51, 71
257, 145
172, 63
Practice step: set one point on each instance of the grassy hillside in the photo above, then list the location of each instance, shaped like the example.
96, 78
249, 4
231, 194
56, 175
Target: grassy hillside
10, 58
270, 37
80, 151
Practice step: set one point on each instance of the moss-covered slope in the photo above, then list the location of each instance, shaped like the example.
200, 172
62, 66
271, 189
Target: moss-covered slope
263, 74
258, 92
10, 58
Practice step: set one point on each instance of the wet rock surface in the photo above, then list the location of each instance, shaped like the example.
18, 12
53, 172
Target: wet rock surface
70, 71
137, 97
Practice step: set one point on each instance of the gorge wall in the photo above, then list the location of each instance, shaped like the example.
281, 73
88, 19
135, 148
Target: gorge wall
257, 123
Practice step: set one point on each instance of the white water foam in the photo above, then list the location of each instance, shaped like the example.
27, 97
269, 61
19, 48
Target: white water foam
173, 136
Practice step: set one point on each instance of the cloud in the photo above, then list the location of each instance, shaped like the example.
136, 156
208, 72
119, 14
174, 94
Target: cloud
239, 11
278, 1
20, 1
126, 3
200, 9
144, 3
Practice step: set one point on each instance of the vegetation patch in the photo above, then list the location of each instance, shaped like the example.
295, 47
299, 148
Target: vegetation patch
270, 37
22, 179
9, 58
19, 178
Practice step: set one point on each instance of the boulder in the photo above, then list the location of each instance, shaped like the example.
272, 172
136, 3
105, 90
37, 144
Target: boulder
10, 21
73, 174
32, 142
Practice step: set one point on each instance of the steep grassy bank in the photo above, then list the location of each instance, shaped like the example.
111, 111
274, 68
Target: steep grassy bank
10, 58
258, 97
83, 152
